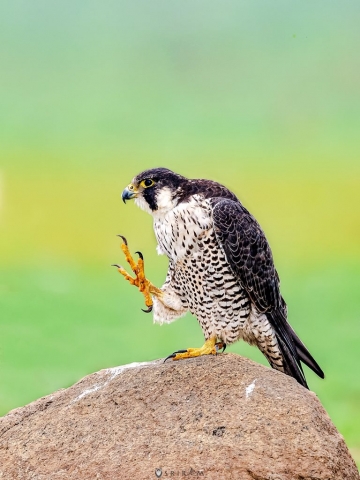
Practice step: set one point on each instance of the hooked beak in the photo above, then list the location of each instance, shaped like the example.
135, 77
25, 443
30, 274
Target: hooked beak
129, 192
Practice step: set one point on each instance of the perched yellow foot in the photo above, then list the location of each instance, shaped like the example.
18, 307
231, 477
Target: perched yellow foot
140, 281
210, 347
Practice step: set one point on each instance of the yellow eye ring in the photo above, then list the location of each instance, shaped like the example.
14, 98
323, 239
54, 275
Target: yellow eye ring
147, 183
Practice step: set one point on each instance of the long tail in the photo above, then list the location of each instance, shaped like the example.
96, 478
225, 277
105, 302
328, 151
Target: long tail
305, 355
293, 350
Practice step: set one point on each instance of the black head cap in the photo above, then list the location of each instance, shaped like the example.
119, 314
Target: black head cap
151, 182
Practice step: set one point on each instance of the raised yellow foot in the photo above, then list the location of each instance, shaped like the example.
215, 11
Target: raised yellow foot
210, 347
140, 281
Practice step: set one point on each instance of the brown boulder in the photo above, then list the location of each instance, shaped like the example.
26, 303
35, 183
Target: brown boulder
211, 417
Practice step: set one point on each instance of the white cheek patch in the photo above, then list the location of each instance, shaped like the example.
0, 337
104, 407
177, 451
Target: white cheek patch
164, 200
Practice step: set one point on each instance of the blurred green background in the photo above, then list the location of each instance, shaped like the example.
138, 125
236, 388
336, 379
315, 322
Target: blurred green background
261, 96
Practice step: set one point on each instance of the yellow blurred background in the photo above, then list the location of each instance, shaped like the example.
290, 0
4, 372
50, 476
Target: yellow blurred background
263, 97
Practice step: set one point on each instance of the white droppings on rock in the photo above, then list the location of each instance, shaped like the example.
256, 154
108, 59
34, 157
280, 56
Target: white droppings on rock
249, 389
117, 370
113, 372
89, 390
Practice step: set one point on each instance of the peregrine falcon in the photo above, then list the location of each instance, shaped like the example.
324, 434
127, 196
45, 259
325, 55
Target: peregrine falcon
221, 269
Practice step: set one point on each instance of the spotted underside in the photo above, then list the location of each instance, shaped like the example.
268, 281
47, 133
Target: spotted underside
200, 275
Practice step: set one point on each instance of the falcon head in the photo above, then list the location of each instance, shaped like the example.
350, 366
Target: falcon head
157, 190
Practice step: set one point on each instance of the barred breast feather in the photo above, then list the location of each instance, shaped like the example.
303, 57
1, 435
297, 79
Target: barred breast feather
199, 271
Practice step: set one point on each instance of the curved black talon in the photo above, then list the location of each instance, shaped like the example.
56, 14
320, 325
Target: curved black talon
116, 265
170, 356
173, 355
218, 348
140, 255
124, 239
148, 310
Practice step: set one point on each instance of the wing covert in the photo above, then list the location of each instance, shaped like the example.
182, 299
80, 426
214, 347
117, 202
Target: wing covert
248, 253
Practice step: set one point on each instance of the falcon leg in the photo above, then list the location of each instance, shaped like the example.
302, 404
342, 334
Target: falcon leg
140, 281
210, 347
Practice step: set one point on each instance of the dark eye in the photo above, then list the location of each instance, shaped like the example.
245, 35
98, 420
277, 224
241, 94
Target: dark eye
147, 182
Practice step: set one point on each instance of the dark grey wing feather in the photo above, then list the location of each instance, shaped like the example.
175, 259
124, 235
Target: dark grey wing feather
250, 258
248, 253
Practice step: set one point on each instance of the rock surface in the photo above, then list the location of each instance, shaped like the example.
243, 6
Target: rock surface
211, 417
